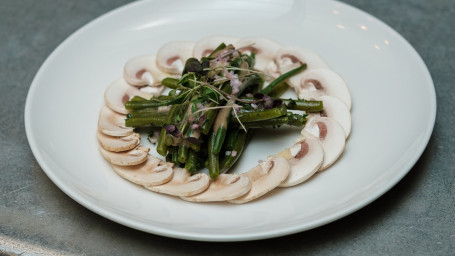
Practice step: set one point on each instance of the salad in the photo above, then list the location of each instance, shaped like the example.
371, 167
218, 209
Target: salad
200, 104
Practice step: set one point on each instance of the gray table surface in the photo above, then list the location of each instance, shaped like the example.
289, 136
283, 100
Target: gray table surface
415, 217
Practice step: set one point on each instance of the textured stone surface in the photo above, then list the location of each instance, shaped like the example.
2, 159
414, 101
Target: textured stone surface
416, 217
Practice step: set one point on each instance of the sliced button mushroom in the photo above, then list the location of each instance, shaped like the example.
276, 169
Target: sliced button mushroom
225, 187
120, 92
143, 70
183, 184
305, 158
320, 82
205, 46
331, 135
264, 177
112, 123
152, 172
118, 144
263, 48
290, 57
172, 56
336, 109
131, 157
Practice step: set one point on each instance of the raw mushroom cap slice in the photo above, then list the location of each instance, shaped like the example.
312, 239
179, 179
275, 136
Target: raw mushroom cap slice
336, 109
183, 184
142, 70
224, 187
263, 48
290, 57
264, 178
331, 135
172, 56
152, 172
120, 92
118, 144
131, 157
112, 123
305, 158
320, 82
205, 46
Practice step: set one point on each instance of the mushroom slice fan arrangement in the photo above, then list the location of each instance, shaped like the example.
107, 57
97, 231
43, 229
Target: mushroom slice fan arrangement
204, 100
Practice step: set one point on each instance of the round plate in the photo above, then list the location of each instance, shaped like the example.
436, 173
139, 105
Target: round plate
393, 114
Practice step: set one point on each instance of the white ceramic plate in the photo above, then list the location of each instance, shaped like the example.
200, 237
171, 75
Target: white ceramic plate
393, 114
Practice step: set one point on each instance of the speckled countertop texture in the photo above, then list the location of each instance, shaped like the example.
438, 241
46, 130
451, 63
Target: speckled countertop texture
416, 217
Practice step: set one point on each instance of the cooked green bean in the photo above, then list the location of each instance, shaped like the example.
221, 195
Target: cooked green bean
231, 138
220, 128
279, 89
213, 163
236, 151
192, 161
281, 78
161, 147
153, 121
146, 104
262, 114
171, 83
304, 105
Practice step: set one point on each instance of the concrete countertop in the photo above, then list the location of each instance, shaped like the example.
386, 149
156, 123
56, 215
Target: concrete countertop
416, 217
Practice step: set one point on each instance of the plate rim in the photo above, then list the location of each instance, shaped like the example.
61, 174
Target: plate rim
231, 237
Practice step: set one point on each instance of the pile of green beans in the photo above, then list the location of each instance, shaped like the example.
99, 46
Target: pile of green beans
206, 121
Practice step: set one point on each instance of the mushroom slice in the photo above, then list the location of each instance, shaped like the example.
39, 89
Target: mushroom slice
172, 56
152, 172
331, 135
205, 46
112, 123
142, 70
290, 57
263, 48
225, 187
120, 92
131, 157
336, 109
322, 81
183, 184
305, 158
264, 177
118, 144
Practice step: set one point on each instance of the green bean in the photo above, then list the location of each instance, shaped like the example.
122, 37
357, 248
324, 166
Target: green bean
296, 119
182, 153
192, 162
146, 104
304, 105
279, 89
231, 138
171, 83
175, 157
161, 147
259, 115
281, 78
236, 151
210, 115
166, 97
149, 111
154, 121
220, 127
213, 163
